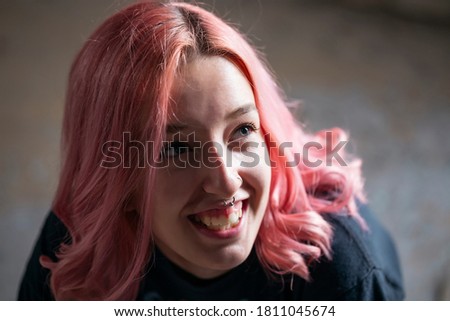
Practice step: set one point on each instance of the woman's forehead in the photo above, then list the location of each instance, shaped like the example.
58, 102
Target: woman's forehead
210, 86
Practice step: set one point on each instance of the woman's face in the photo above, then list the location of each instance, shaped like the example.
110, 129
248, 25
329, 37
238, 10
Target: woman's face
215, 151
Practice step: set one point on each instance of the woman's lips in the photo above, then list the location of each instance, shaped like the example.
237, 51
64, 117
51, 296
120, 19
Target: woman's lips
219, 221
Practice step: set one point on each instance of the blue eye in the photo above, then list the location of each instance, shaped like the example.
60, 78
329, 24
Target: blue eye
246, 129
242, 134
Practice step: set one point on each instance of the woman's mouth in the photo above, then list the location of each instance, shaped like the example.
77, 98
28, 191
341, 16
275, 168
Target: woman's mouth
218, 222
219, 219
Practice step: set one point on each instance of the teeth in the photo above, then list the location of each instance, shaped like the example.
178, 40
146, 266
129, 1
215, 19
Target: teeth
220, 222
234, 218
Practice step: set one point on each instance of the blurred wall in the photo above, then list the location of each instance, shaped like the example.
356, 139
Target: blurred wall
378, 69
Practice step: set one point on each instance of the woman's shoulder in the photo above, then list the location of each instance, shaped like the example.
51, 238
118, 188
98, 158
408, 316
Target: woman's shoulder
35, 280
364, 265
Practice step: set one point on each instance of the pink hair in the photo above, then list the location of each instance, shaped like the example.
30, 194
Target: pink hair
120, 82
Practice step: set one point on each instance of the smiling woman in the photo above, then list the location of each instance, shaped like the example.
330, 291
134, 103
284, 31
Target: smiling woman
191, 225
232, 214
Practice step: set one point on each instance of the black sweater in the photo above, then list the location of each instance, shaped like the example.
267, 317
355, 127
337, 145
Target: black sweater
364, 266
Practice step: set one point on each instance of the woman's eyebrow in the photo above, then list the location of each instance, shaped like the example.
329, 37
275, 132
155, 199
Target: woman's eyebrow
241, 110
175, 128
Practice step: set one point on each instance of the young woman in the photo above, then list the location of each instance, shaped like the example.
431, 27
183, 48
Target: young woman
185, 177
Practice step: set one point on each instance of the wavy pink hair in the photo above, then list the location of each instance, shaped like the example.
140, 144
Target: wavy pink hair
121, 82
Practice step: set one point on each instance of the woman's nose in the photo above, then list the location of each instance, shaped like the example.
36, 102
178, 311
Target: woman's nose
221, 175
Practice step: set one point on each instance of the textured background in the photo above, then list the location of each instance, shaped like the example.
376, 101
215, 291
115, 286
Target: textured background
378, 69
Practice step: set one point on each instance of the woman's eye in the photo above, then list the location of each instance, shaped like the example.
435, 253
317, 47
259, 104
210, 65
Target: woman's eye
175, 148
245, 130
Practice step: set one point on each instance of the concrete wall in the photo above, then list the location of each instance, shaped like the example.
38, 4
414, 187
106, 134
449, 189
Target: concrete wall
384, 77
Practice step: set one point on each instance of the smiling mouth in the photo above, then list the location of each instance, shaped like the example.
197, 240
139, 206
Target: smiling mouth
218, 220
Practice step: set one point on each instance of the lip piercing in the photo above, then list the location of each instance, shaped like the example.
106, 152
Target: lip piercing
230, 203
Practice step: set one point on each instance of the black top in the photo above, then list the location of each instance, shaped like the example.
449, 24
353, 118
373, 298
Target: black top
365, 266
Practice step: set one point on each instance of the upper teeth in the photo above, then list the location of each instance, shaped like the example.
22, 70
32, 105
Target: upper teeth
220, 222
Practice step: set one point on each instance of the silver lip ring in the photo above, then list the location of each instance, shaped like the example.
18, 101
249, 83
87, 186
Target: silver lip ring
230, 204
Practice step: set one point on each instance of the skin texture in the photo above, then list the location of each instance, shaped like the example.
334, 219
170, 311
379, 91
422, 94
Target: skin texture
213, 101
